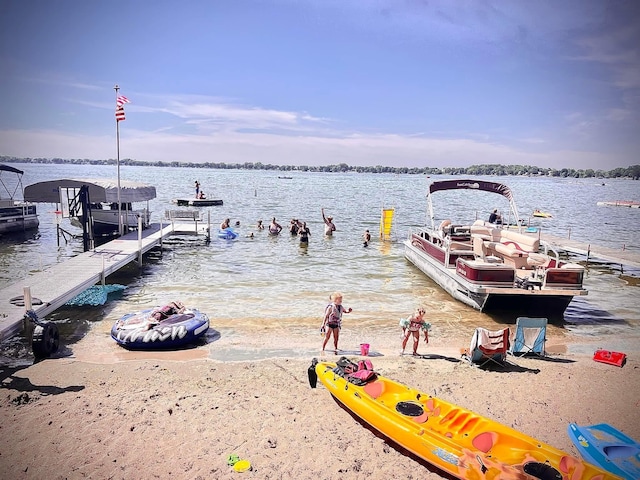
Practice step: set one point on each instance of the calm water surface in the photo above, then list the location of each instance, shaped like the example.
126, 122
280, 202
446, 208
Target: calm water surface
265, 296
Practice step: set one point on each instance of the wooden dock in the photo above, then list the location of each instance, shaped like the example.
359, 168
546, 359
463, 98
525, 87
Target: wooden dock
618, 256
59, 283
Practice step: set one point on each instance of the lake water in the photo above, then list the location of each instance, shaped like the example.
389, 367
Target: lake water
266, 295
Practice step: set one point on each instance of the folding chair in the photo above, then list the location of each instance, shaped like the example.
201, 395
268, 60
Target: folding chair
529, 337
489, 347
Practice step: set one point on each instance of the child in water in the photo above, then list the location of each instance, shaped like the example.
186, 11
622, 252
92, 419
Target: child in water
366, 237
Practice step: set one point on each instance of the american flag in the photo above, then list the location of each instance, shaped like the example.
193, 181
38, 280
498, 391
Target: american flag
120, 101
119, 113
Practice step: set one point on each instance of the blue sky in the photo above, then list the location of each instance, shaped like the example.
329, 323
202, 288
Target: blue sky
318, 82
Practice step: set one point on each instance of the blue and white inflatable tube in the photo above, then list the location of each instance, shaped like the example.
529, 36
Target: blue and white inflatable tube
227, 234
134, 330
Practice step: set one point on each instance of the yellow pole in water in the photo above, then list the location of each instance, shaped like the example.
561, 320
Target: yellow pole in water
386, 221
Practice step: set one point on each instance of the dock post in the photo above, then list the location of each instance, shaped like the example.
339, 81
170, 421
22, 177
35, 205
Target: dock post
26, 323
139, 241
102, 275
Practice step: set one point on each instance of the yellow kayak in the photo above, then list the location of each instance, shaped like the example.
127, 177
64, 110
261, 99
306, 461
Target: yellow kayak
454, 439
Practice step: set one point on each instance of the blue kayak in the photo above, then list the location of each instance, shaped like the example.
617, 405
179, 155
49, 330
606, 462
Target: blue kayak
608, 448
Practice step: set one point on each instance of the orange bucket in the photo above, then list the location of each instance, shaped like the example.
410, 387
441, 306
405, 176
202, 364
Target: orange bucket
364, 349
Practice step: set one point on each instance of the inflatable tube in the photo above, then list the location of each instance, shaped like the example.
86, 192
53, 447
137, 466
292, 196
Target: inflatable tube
132, 330
227, 234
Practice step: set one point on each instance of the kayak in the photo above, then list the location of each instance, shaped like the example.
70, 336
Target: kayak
607, 447
452, 438
134, 331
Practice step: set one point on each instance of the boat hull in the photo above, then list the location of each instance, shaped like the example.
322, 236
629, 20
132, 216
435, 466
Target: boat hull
197, 202
18, 218
132, 332
105, 222
452, 438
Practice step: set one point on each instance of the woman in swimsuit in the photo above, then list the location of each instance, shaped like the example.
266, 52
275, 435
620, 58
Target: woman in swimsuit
415, 323
274, 228
333, 320
303, 233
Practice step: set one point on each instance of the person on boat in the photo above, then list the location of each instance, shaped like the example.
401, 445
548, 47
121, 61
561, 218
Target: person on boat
366, 237
260, 226
197, 189
412, 326
201, 195
303, 233
162, 313
224, 225
329, 226
333, 320
274, 227
495, 217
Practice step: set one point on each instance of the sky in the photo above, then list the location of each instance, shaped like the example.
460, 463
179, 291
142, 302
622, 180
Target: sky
403, 83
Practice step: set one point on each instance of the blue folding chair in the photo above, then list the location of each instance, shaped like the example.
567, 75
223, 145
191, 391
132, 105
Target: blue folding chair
529, 337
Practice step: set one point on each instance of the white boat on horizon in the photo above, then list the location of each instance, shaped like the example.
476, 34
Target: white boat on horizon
102, 202
15, 215
493, 267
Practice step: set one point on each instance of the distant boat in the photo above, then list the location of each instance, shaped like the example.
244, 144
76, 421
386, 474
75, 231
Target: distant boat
285, 178
620, 203
538, 213
15, 215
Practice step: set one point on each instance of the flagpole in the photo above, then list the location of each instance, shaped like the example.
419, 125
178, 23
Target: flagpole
116, 88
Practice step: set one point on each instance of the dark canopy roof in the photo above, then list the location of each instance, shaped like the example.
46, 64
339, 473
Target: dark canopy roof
100, 190
492, 187
7, 168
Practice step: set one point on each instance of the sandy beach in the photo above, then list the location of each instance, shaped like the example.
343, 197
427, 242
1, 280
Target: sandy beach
168, 415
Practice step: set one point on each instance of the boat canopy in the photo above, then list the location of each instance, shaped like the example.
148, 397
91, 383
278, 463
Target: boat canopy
7, 168
465, 184
101, 190
492, 187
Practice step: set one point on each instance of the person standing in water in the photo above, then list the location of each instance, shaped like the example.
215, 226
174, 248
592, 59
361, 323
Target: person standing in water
333, 320
329, 226
366, 237
303, 233
274, 227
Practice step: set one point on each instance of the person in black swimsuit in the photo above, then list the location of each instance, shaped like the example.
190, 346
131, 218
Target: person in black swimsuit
303, 233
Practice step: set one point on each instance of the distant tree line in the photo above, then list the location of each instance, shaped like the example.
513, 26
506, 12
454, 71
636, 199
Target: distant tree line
490, 169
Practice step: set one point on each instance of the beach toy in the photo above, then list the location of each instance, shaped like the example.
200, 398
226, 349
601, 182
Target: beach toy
232, 459
242, 466
364, 349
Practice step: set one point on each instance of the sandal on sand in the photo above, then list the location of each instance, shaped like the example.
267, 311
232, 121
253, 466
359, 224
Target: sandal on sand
232, 459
